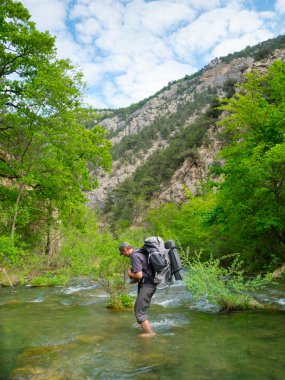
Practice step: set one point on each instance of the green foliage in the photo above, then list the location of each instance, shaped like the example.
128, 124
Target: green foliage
93, 252
87, 249
50, 279
126, 111
226, 287
84, 243
229, 87
163, 220
9, 252
250, 210
188, 223
110, 272
123, 301
213, 111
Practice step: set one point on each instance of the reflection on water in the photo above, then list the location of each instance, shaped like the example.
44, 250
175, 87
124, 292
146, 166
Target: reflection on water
67, 333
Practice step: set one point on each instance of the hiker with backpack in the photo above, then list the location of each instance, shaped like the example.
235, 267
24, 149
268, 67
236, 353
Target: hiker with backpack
152, 266
141, 272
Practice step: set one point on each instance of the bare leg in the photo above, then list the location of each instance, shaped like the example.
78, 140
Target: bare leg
147, 329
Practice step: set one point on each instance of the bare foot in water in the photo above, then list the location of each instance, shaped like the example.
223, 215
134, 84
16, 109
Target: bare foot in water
147, 335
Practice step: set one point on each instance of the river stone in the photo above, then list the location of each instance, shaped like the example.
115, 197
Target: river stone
37, 373
85, 339
26, 373
35, 352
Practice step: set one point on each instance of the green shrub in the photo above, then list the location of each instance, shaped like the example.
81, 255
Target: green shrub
50, 279
123, 301
10, 252
223, 286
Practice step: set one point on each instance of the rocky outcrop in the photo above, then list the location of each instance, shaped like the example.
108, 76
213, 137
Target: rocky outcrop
263, 65
163, 104
119, 174
193, 172
217, 74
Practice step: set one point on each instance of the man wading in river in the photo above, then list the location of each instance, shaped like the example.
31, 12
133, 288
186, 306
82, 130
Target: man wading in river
141, 272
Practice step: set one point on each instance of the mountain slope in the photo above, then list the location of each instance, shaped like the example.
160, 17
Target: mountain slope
168, 141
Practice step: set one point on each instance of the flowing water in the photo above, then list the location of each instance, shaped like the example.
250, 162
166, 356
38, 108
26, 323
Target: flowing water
68, 333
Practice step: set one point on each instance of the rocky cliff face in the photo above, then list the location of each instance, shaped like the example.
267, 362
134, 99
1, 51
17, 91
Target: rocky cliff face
192, 172
164, 104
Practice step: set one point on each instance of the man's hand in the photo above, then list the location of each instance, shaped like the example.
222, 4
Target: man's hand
137, 275
130, 273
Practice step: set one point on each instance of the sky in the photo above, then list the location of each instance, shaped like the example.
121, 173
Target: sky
130, 49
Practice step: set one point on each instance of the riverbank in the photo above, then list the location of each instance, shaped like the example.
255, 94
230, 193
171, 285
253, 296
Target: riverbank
47, 272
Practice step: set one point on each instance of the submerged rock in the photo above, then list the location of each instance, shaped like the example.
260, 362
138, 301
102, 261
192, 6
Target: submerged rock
31, 353
35, 373
85, 339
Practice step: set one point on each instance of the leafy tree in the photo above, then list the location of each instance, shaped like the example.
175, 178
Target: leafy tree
188, 223
45, 147
250, 206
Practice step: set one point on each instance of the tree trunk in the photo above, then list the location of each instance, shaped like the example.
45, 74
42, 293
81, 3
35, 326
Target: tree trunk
13, 226
48, 242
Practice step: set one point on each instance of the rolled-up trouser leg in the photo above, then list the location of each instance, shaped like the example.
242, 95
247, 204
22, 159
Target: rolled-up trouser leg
145, 293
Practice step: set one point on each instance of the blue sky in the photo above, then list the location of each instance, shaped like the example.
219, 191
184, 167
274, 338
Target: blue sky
130, 49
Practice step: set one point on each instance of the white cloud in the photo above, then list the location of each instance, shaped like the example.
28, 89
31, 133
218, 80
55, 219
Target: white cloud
231, 45
211, 28
92, 73
68, 48
159, 17
202, 34
49, 15
94, 101
250, 22
280, 6
87, 30
129, 49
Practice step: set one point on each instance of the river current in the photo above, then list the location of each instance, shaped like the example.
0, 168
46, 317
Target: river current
68, 333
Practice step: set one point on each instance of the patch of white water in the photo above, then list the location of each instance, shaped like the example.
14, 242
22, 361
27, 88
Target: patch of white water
77, 288
37, 300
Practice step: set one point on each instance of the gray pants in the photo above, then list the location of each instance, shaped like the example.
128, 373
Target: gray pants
145, 293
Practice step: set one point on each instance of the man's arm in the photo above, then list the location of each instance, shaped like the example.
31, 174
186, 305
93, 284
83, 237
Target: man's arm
136, 275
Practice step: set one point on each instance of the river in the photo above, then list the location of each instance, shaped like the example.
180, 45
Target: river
68, 333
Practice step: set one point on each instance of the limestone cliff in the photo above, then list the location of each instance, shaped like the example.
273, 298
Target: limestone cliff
164, 104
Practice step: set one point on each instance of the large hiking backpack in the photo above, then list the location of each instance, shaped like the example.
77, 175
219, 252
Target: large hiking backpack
158, 257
